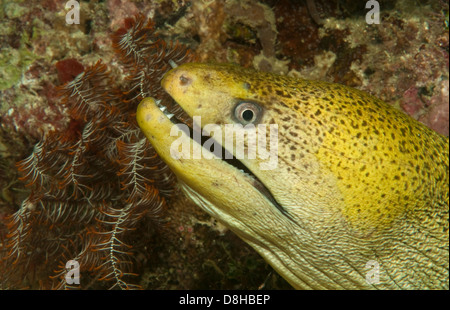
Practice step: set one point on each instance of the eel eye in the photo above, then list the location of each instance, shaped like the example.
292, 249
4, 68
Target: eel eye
247, 112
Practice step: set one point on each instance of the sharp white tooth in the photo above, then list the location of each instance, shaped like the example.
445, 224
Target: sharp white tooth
169, 115
158, 103
161, 107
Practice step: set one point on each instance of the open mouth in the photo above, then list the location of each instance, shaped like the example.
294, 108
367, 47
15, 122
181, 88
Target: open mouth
178, 116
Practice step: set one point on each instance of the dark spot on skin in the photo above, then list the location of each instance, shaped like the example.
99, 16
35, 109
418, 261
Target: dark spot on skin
403, 130
283, 104
208, 78
277, 110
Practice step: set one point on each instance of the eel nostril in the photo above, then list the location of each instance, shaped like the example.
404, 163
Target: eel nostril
184, 80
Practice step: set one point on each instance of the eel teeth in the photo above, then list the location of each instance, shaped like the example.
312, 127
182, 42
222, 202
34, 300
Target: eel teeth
164, 109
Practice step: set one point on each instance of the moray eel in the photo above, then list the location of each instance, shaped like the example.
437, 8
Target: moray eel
358, 198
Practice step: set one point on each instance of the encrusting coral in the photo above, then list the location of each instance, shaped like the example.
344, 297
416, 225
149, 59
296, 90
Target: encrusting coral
93, 184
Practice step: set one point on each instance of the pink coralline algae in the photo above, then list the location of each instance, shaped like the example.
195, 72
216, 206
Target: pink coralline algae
437, 117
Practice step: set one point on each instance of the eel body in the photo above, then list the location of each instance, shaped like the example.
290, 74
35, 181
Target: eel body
350, 193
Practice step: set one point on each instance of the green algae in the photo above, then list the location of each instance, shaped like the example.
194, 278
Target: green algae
13, 64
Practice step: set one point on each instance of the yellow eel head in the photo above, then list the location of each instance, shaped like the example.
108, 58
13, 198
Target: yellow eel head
337, 189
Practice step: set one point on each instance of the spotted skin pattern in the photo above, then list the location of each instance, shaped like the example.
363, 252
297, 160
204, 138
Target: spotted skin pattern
359, 181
